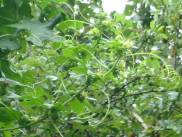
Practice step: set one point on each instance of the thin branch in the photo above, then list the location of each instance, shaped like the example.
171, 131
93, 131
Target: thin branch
127, 84
146, 92
140, 93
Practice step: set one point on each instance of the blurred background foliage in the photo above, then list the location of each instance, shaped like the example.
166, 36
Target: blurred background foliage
69, 69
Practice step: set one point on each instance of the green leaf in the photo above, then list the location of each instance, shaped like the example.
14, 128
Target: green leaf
8, 44
51, 77
39, 32
7, 134
70, 52
153, 63
8, 115
70, 24
79, 70
172, 95
7, 71
10, 81
45, 3
77, 106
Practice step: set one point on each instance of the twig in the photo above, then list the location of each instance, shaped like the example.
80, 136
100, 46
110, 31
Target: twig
124, 86
146, 92
140, 93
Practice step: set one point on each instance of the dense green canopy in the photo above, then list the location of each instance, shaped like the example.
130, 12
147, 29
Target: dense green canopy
67, 69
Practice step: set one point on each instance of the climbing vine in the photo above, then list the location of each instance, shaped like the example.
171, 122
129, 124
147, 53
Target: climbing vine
68, 70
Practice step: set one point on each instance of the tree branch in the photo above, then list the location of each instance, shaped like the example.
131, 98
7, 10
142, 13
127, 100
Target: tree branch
127, 84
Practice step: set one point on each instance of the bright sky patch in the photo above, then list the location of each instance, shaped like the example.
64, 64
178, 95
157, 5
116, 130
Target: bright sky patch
114, 5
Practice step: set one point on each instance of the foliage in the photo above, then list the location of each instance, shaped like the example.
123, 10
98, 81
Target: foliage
68, 69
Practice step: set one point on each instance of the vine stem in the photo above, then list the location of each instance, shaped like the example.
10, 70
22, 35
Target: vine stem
57, 129
5, 35
98, 61
108, 109
139, 119
153, 55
